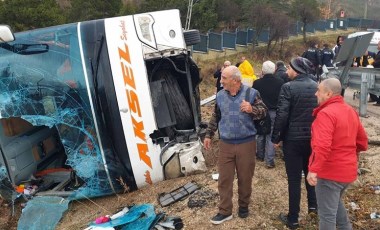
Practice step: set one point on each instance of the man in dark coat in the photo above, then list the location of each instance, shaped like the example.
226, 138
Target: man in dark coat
293, 126
269, 88
313, 54
327, 56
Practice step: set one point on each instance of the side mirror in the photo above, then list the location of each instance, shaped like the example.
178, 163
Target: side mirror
6, 34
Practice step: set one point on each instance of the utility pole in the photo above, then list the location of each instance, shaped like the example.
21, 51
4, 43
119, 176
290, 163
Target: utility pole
365, 9
188, 16
329, 10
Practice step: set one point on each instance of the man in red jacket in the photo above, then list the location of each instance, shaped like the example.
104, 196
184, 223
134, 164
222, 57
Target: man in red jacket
337, 137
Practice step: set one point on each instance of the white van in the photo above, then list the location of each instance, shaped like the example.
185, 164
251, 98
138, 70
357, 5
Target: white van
97, 107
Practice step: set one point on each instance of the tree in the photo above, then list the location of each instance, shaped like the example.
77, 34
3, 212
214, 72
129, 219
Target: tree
155, 5
128, 9
24, 15
229, 12
258, 12
305, 11
93, 9
204, 16
279, 30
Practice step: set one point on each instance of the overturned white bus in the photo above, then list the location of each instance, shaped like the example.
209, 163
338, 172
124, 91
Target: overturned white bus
95, 107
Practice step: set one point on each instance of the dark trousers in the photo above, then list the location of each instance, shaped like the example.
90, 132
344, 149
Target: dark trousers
296, 155
239, 157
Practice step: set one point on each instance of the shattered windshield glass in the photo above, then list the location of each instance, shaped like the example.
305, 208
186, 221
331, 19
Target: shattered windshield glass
50, 89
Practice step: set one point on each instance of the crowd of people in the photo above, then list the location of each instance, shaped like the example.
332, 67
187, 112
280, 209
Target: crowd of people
318, 140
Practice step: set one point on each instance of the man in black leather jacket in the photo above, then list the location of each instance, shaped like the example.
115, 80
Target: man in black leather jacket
293, 126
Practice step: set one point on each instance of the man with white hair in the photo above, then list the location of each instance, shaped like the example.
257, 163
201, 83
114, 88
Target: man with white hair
269, 88
337, 137
237, 106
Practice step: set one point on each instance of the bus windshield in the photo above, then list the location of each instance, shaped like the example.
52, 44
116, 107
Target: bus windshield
42, 81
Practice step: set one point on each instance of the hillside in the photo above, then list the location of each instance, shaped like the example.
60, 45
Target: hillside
257, 55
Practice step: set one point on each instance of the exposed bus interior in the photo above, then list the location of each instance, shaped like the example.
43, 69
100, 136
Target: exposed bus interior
35, 159
174, 84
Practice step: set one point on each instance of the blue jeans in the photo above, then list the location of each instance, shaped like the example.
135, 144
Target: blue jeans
331, 210
265, 147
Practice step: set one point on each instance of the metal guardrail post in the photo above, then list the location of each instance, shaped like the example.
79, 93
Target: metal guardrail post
363, 95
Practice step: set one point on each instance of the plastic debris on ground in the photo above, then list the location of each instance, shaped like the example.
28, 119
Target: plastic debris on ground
375, 215
169, 222
354, 206
215, 176
43, 212
138, 217
376, 188
106, 218
180, 193
119, 214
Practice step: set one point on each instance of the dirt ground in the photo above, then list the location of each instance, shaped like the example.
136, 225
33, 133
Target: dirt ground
269, 196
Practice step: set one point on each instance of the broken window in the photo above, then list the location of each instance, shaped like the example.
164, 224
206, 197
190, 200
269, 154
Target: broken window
47, 118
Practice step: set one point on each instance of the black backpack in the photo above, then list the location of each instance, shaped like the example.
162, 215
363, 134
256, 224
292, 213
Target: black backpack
263, 126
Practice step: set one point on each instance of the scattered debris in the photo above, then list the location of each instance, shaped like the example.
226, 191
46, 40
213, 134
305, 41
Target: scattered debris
135, 217
375, 215
354, 206
215, 176
166, 199
43, 212
376, 188
119, 214
169, 222
208, 100
363, 170
102, 219
374, 142
201, 198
